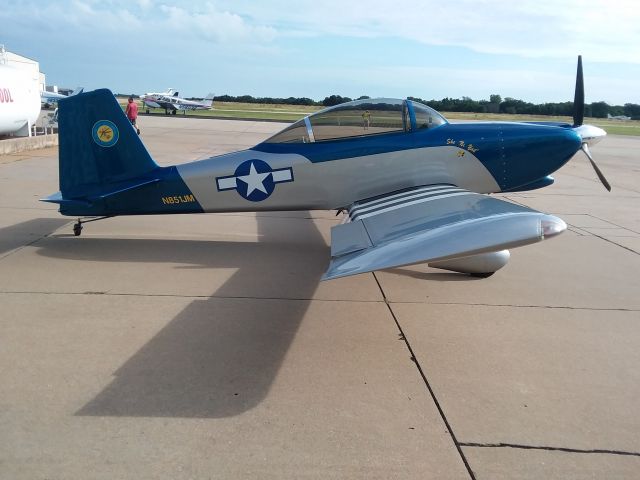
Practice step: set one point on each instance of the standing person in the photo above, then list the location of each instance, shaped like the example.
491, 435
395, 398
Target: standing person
366, 119
132, 113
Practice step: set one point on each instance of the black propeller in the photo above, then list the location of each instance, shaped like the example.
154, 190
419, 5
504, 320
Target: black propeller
585, 149
578, 120
578, 99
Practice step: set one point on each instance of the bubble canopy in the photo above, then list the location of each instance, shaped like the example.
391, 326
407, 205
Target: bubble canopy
359, 118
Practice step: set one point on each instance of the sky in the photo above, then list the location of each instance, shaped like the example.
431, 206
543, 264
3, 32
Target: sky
309, 48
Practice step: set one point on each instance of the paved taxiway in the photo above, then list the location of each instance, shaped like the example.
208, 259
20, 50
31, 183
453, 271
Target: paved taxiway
204, 346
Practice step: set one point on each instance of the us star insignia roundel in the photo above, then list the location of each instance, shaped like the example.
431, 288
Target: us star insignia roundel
255, 180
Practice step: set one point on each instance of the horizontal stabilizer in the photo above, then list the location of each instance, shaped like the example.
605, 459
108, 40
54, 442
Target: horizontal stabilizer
57, 198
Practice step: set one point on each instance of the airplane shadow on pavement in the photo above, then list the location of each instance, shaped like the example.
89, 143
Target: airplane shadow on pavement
24, 233
220, 355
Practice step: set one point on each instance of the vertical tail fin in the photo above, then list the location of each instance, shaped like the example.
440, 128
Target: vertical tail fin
208, 100
98, 146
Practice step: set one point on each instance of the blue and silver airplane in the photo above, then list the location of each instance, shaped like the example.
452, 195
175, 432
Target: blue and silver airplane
414, 186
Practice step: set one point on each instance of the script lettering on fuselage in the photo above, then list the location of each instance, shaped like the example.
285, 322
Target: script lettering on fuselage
462, 144
5, 96
177, 199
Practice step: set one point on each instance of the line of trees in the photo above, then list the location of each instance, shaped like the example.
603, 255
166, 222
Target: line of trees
495, 104
268, 100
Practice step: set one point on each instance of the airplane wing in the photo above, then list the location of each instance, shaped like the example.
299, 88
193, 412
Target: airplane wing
51, 96
151, 103
158, 103
428, 224
166, 105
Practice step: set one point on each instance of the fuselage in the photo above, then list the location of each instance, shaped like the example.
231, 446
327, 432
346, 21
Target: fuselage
483, 158
328, 160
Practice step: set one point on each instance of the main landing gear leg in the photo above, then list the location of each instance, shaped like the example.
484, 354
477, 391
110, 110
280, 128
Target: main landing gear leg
77, 227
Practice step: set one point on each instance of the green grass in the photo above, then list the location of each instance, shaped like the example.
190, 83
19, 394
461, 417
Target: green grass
232, 110
291, 113
242, 111
623, 129
613, 127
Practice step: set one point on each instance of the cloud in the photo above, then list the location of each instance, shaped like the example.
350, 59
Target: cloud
213, 24
203, 21
602, 30
276, 47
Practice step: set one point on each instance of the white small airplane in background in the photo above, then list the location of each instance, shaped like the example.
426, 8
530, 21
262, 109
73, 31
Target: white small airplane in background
618, 117
47, 98
170, 100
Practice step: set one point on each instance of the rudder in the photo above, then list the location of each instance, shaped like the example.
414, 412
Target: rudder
98, 146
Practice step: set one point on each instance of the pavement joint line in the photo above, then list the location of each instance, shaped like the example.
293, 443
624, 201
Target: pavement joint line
595, 309
618, 187
551, 449
577, 195
615, 243
584, 229
426, 381
294, 217
574, 213
611, 223
43, 208
578, 230
17, 249
171, 295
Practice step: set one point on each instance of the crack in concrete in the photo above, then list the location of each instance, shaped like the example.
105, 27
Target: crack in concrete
414, 359
506, 305
551, 449
250, 297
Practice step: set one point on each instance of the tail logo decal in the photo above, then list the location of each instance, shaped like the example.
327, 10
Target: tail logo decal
105, 133
255, 180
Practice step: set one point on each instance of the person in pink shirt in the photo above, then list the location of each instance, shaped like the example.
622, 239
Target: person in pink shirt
132, 113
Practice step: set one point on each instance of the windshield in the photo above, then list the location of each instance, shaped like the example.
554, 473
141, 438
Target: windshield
426, 117
352, 119
363, 117
296, 133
